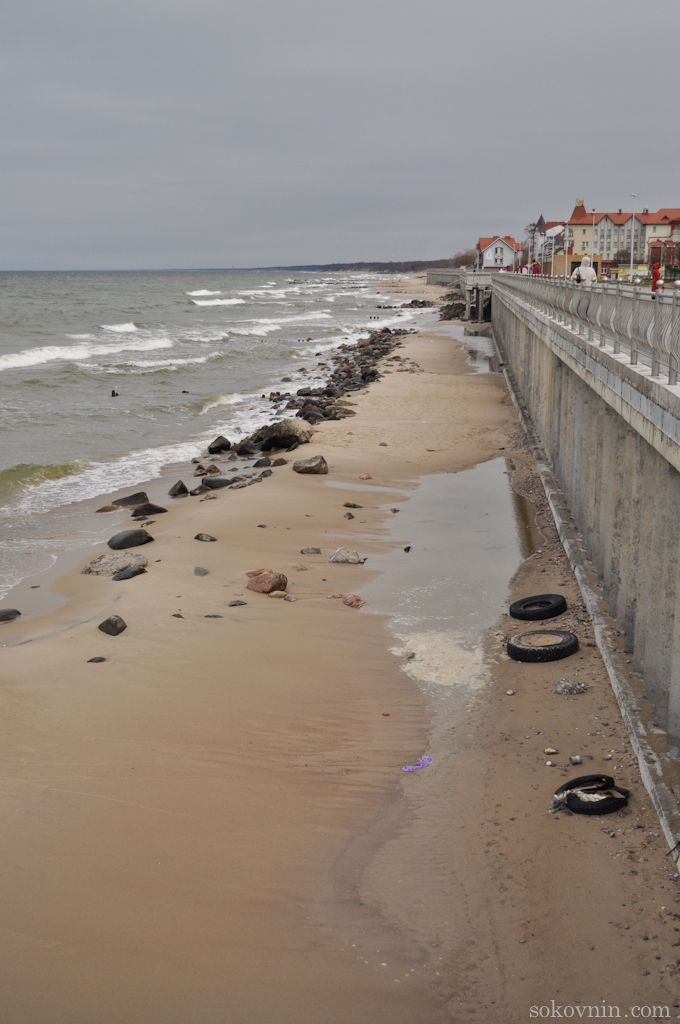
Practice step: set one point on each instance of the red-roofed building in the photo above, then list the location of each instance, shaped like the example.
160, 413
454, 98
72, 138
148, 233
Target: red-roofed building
606, 234
498, 252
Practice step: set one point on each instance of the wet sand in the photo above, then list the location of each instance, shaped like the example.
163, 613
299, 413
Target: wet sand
213, 824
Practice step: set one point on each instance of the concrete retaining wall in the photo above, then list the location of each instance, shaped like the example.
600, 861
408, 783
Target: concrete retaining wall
612, 435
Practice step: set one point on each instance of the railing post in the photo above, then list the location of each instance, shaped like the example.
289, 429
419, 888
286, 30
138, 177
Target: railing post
656, 330
672, 358
604, 294
634, 323
615, 341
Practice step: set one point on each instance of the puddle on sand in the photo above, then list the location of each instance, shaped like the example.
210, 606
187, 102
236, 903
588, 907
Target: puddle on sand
480, 350
468, 533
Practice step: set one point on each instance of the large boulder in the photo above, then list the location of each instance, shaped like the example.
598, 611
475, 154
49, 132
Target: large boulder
113, 625
9, 614
129, 539
110, 565
219, 445
283, 434
264, 581
140, 498
317, 464
178, 490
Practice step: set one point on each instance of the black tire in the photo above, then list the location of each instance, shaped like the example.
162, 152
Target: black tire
541, 606
537, 645
606, 806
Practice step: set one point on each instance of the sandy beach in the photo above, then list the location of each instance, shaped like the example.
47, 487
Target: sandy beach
213, 823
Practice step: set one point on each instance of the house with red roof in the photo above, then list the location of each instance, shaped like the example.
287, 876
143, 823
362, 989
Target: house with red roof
498, 252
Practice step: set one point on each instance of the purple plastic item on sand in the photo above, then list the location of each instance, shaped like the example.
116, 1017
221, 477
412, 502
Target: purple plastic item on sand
422, 762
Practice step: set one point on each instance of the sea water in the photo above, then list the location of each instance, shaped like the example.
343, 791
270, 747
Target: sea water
190, 354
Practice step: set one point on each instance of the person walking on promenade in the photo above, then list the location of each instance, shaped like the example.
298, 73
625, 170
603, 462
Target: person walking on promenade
536, 267
657, 284
585, 273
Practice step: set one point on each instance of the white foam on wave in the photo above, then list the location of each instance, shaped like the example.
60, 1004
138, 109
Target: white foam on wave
74, 353
119, 328
144, 364
218, 302
203, 291
215, 403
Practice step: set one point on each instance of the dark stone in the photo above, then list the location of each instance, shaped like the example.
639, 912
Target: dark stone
178, 490
247, 447
147, 510
233, 457
95, 661
198, 571
262, 526
113, 625
212, 616
286, 380
198, 490
317, 464
129, 573
219, 445
140, 498
266, 461
407, 548
293, 446
351, 504
215, 482
108, 508
129, 539
204, 537
9, 614
348, 515
265, 473
310, 551
280, 462
237, 604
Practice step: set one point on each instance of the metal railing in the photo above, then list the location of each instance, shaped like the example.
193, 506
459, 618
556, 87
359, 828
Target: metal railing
624, 318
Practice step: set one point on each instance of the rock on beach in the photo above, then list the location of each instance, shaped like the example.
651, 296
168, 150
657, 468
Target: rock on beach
110, 565
129, 539
147, 510
317, 464
347, 555
113, 625
140, 498
178, 490
9, 614
264, 581
129, 573
205, 537
219, 445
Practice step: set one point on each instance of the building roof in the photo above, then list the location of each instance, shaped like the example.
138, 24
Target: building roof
484, 243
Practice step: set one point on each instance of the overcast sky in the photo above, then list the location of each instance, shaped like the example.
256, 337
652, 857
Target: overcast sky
159, 133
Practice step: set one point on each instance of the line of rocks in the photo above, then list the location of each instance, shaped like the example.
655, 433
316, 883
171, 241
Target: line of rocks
355, 368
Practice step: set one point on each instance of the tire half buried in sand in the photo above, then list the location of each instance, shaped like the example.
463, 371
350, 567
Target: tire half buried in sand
542, 645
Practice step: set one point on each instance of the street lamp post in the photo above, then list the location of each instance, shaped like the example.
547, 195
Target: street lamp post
632, 239
592, 249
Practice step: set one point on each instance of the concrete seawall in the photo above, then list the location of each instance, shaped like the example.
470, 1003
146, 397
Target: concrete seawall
612, 435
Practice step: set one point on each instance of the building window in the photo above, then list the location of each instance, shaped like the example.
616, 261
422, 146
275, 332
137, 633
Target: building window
584, 231
654, 229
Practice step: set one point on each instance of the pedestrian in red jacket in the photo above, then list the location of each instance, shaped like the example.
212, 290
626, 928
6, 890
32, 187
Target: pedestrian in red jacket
536, 267
656, 279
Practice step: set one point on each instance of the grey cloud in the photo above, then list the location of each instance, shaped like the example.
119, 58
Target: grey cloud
166, 134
